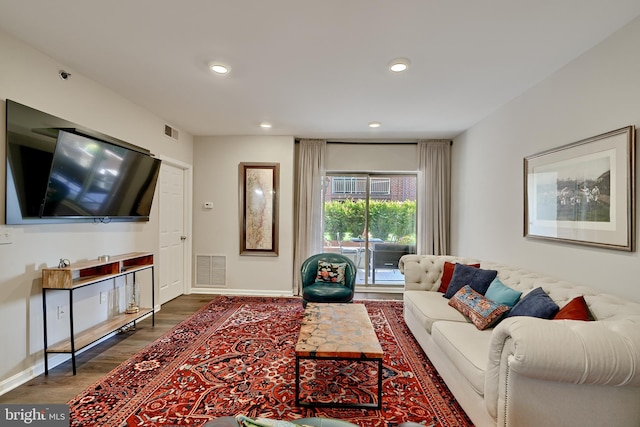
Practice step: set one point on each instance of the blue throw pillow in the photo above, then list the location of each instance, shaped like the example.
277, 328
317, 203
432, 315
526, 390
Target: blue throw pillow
477, 278
535, 304
502, 294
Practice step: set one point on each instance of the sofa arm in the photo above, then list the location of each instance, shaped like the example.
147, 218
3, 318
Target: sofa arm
576, 370
601, 352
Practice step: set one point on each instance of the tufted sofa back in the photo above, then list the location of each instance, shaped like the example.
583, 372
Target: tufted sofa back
423, 272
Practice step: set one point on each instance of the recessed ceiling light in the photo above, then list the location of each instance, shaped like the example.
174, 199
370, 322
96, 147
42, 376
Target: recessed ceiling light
399, 64
219, 68
265, 125
375, 124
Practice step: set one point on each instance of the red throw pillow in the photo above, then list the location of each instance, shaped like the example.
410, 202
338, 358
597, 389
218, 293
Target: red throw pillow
576, 309
447, 274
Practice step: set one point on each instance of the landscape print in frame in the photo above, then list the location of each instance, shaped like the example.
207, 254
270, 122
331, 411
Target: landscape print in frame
259, 188
583, 192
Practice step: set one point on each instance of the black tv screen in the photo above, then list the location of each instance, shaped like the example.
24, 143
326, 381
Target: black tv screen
57, 171
94, 178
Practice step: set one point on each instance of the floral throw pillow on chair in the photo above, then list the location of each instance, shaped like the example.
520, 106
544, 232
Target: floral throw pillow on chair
331, 273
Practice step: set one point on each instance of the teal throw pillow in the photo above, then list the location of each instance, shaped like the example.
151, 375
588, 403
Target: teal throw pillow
502, 294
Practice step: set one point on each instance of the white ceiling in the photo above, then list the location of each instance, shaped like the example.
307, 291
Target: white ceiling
317, 69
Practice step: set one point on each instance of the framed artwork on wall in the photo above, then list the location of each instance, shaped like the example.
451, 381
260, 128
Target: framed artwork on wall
258, 195
583, 192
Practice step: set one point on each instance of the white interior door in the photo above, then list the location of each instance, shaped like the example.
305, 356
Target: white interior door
172, 232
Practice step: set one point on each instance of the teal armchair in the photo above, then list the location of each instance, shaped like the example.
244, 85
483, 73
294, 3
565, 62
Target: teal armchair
335, 281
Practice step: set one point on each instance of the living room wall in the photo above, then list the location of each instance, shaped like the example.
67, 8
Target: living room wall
596, 93
31, 78
215, 178
216, 160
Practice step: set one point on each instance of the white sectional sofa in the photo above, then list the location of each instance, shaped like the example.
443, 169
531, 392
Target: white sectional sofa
528, 371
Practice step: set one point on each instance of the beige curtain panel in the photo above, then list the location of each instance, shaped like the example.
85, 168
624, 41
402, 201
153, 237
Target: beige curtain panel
434, 202
308, 239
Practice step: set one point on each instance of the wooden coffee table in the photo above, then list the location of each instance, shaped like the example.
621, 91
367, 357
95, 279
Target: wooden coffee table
338, 332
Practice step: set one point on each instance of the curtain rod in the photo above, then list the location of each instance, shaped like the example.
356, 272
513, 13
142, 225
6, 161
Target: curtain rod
372, 142
367, 142
375, 142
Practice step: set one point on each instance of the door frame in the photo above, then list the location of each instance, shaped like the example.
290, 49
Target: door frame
187, 171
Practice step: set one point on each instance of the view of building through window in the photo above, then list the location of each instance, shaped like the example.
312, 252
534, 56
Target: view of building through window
371, 218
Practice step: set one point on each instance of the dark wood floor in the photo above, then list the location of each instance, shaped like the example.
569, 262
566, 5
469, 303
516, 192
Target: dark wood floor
61, 385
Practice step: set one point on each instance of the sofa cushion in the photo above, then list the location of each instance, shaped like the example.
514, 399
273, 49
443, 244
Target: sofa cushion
447, 274
535, 304
430, 307
481, 311
467, 348
502, 294
331, 272
478, 278
576, 309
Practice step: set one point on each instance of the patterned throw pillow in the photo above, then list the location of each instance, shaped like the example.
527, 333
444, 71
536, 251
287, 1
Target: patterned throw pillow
480, 310
334, 273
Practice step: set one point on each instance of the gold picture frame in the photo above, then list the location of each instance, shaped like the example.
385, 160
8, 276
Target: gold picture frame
583, 192
259, 187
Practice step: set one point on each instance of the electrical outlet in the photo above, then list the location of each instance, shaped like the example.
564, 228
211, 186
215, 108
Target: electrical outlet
60, 312
6, 236
103, 297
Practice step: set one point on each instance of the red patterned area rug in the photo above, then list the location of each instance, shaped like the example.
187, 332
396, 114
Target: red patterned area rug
236, 356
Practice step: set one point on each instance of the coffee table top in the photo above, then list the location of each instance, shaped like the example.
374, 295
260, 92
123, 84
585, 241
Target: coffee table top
337, 330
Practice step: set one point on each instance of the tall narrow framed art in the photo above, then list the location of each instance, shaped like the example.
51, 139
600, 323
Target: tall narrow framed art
258, 194
583, 192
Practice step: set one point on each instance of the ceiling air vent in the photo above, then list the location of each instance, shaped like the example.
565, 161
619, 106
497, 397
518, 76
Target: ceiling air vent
171, 132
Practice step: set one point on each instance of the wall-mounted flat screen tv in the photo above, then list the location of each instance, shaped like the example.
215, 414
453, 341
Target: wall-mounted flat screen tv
93, 178
59, 172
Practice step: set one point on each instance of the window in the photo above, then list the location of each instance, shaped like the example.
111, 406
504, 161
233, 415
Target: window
372, 219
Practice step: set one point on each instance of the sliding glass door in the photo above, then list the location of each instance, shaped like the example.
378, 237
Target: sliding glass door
371, 218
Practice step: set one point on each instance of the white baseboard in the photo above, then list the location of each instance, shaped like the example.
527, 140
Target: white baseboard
240, 292
30, 373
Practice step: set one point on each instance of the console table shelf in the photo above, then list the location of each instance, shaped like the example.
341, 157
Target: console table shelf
98, 331
87, 273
